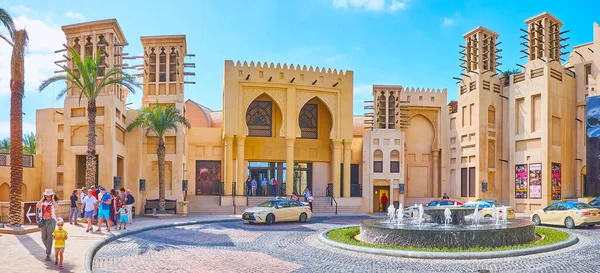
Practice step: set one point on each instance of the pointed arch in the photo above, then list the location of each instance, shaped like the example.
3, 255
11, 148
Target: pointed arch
261, 109
431, 122
328, 114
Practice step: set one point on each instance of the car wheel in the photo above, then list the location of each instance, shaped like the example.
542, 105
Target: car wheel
303, 217
536, 220
270, 219
569, 223
487, 216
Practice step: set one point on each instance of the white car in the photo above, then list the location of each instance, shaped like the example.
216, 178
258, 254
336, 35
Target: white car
278, 210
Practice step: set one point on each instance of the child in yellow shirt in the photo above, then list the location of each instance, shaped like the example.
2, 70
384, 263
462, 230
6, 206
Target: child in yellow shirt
60, 236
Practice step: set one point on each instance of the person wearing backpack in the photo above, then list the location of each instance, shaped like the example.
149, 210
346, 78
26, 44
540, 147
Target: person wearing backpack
129, 200
274, 186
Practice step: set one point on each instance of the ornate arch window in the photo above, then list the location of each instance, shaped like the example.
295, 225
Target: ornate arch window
309, 121
89, 47
491, 116
378, 161
259, 118
162, 65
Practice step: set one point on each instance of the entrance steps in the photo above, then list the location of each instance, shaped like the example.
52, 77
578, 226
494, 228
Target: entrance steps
255, 200
322, 205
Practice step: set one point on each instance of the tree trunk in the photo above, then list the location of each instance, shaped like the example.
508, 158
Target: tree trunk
17, 87
90, 162
160, 151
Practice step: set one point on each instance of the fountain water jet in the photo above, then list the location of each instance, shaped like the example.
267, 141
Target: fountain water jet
504, 214
447, 216
400, 214
391, 211
421, 212
476, 216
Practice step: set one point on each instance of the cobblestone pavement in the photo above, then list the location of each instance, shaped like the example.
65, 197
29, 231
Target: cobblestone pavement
294, 247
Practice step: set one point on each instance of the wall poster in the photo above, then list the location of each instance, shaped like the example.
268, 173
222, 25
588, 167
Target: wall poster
556, 183
535, 181
521, 181
591, 186
208, 177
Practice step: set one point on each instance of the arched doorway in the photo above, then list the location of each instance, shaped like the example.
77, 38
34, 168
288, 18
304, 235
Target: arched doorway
420, 137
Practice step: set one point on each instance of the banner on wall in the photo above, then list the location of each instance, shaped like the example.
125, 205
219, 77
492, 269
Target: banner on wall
208, 177
556, 184
591, 186
535, 181
521, 181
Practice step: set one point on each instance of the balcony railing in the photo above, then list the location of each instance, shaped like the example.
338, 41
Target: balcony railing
27, 160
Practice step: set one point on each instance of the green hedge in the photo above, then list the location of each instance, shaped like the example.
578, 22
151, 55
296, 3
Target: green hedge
347, 236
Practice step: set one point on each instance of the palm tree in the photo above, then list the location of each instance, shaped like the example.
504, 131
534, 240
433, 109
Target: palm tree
159, 120
506, 75
84, 77
17, 89
8, 23
29, 144
5, 145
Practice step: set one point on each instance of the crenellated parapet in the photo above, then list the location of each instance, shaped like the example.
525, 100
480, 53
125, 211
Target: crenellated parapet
289, 74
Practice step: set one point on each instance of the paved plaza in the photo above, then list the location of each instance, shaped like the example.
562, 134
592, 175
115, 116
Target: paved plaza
294, 247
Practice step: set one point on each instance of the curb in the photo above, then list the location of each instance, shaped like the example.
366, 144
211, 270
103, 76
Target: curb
89, 256
450, 255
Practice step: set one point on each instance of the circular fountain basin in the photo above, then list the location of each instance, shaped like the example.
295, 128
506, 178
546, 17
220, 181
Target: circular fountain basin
458, 214
411, 234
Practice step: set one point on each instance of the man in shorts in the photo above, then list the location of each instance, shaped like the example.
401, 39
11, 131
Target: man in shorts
88, 208
104, 209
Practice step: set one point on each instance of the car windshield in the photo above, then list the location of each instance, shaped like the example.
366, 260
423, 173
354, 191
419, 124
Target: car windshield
268, 204
479, 204
580, 205
494, 202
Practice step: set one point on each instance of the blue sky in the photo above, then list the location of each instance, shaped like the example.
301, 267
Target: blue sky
403, 42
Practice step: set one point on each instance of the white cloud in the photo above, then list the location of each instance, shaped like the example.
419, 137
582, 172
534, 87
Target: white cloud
358, 48
44, 39
74, 15
448, 21
5, 128
371, 5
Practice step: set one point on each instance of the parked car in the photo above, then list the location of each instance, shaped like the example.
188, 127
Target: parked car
277, 210
486, 208
569, 214
410, 211
595, 203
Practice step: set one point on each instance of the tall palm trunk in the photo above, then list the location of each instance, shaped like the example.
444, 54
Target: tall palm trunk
17, 87
90, 162
160, 151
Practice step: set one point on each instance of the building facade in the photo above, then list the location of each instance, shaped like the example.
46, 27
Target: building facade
519, 139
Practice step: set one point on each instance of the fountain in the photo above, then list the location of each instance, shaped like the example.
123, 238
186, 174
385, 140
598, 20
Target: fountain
400, 214
391, 211
447, 227
447, 216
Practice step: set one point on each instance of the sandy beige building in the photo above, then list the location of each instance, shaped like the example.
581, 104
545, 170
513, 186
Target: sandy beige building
519, 140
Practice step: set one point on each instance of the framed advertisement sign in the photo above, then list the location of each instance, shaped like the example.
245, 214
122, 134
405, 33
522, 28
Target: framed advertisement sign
535, 181
556, 183
521, 181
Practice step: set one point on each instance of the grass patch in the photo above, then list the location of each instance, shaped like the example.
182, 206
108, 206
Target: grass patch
347, 236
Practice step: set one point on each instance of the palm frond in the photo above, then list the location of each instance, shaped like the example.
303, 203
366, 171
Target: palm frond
7, 21
5, 145
159, 119
29, 143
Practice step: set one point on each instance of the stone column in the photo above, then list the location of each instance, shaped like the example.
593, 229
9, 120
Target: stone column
289, 166
337, 147
347, 164
436, 167
228, 164
242, 170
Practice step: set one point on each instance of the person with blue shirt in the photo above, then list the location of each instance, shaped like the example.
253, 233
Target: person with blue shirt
104, 209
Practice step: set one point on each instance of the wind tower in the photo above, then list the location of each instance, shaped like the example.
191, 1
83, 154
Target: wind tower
164, 79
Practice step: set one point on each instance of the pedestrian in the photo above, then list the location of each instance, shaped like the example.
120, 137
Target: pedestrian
115, 205
253, 186
123, 217
74, 208
248, 186
384, 201
273, 186
81, 197
104, 209
48, 221
263, 186
89, 206
294, 197
129, 200
60, 236
306, 193
310, 201
122, 195
445, 196
94, 192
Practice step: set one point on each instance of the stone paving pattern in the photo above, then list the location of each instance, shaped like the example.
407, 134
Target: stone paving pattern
294, 247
